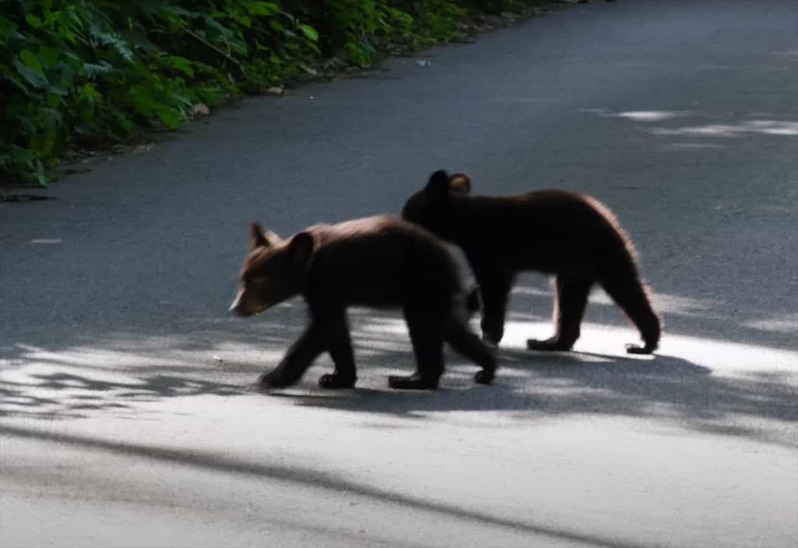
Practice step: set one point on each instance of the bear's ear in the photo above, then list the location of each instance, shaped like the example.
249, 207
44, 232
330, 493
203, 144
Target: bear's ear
438, 185
301, 247
460, 183
261, 238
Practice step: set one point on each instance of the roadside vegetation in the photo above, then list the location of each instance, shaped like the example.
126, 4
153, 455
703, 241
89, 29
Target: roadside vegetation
78, 74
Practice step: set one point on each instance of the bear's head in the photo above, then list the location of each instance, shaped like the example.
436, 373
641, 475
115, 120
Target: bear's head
431, 207
273, 271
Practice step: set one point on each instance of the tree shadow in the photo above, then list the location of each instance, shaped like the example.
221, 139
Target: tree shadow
70, 395
309, 478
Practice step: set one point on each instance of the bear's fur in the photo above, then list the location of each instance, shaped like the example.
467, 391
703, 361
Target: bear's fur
571, 236
378, 262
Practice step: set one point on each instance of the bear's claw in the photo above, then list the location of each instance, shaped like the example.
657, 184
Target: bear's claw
412, 382
337, 381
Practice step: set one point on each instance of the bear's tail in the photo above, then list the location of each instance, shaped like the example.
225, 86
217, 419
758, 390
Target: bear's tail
623, 284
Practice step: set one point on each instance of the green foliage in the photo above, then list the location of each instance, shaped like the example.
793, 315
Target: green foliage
360, 27
439, 20
93, 72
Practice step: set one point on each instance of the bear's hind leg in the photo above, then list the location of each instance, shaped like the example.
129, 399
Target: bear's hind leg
495, 290
468, 344
569, 308
340, 349
426, 334
629, 292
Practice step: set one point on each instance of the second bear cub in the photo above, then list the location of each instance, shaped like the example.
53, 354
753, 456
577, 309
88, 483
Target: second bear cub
379, 262
571, 236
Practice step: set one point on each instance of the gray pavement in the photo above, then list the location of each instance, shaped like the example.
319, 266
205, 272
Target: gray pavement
126, 418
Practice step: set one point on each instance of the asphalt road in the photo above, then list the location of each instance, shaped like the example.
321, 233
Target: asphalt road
126, 417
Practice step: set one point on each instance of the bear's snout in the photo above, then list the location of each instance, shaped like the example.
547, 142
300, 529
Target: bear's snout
247, 303
238, 307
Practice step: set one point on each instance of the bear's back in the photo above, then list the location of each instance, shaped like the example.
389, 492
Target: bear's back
380, 261
548, 230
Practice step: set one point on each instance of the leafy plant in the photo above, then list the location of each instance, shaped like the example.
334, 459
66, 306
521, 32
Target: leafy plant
91, 71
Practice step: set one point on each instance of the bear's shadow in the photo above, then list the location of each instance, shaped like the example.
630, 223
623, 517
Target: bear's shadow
531, 384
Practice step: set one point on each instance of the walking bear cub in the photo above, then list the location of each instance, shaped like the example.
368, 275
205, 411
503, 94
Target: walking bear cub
571, 236
379, 262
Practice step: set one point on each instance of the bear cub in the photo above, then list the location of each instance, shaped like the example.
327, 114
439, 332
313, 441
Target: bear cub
378, 261
571, 236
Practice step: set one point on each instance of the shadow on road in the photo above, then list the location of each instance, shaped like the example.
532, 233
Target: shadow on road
309, 478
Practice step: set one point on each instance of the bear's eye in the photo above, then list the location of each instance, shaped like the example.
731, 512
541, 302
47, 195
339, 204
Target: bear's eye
255, 280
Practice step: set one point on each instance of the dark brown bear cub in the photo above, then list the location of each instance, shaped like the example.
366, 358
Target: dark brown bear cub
571, 236
378, 261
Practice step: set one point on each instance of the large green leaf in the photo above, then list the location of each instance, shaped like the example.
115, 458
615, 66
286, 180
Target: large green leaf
263, 8
170, 117
31, 60
180, 63
29, 67
309, 32
93, 70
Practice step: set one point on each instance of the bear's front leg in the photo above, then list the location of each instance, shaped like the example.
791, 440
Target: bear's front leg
340, 349
297, 360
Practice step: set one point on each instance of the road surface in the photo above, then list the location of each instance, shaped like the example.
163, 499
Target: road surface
126, 417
